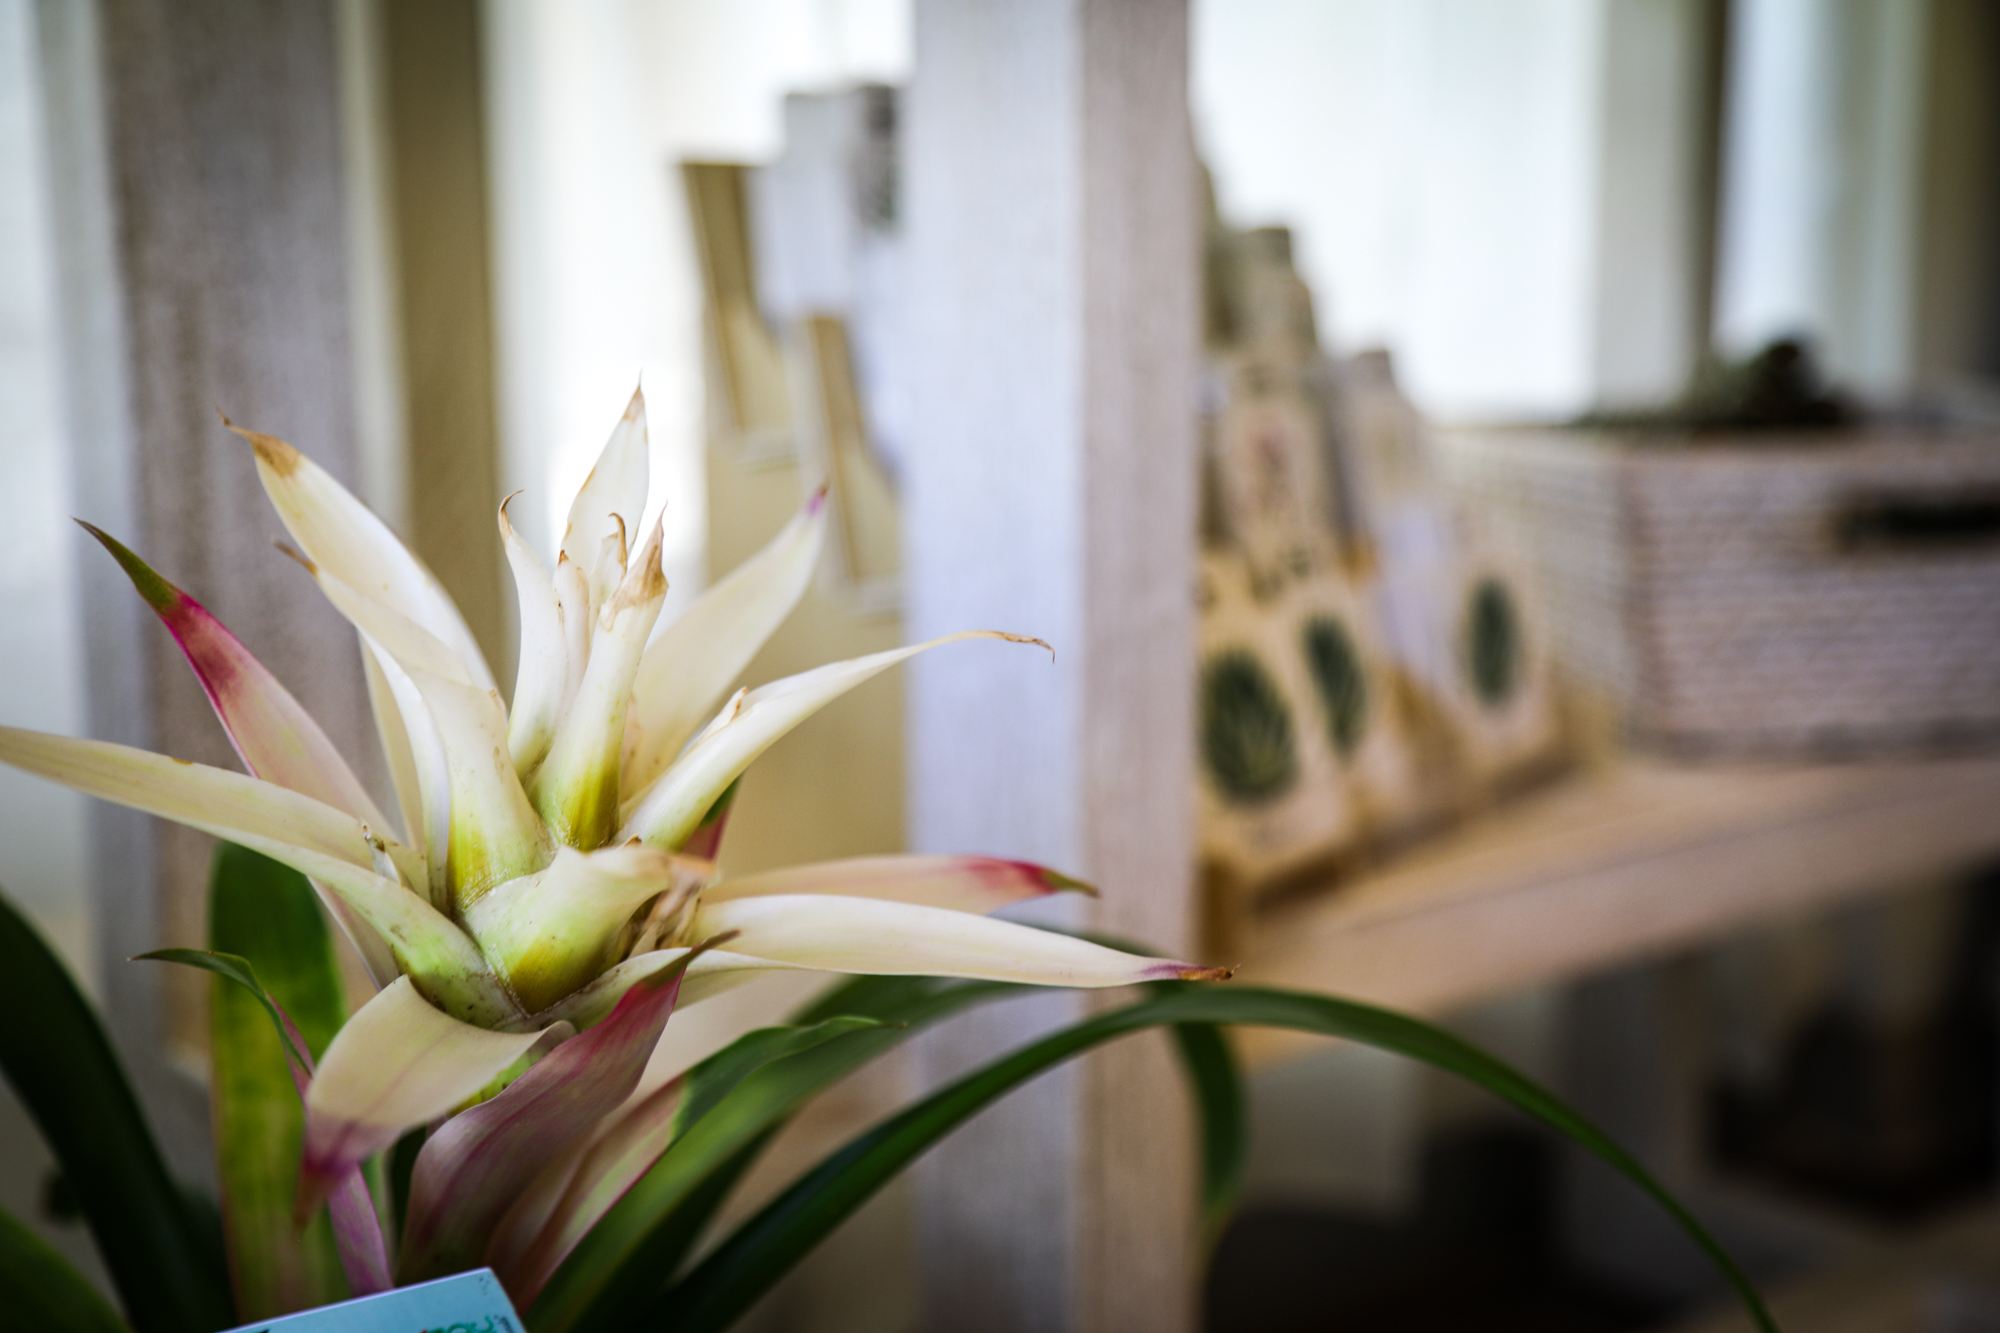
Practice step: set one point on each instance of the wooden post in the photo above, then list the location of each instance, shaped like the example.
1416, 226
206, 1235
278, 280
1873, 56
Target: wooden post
204, 255
1053, 221
436, 152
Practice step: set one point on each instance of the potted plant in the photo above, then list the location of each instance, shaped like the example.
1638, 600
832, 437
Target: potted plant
548, 897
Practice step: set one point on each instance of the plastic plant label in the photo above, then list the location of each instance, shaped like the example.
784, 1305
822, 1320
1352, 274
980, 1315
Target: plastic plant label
465, 1303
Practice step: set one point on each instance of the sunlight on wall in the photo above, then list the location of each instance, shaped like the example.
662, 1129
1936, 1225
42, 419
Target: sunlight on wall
591, 105
1436, 160
1823, 176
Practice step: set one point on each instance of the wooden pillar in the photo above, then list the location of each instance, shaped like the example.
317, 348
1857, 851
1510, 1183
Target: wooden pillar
1051, 202
199, 210
436, 147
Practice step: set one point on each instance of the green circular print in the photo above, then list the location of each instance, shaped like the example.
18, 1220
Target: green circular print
1246, 730
1336, 673
1493, 642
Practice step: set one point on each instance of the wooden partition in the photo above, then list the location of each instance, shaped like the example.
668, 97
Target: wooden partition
1052, 212
200, 222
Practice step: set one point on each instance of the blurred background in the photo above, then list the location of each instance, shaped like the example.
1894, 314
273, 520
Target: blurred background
1514, 485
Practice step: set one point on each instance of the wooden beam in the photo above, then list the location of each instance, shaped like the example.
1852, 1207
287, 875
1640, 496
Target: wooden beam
436, 151
1052, 209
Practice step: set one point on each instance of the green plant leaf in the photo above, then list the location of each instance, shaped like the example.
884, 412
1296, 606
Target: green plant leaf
61, 1065
903, 1003
626, 1257
652, 1230
235, 969
1225, 1121
712, 1080
264, 920
346, 1191
900, 999
725, 1284
350, 1208
684, 1227
401, 1161
553, 1214
40, 1290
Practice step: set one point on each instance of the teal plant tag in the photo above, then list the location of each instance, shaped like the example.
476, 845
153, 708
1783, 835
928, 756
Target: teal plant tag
465, 1303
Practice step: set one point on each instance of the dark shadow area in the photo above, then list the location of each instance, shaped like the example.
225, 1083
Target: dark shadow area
1894, 1122
1481, 1252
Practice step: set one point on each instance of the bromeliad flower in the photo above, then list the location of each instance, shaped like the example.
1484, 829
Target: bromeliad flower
548, 891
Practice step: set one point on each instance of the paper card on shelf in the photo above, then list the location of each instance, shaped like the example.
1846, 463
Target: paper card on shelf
466, 1303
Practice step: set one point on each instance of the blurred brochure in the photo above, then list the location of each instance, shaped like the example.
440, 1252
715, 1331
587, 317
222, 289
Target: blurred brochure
467, 1303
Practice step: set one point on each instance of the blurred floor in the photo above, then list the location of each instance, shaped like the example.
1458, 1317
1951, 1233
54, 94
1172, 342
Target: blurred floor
1849, 1166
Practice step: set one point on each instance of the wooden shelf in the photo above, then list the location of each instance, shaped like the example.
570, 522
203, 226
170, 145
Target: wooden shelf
1636, 858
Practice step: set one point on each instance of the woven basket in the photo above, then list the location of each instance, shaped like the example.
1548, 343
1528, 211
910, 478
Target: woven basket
1779, 596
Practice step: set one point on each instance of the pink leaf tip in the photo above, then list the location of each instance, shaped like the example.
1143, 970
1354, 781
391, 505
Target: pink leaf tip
1188, 972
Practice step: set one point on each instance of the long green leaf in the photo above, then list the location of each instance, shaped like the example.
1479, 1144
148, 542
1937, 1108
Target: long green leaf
907, 1003
237, 971
651, 1232
61, 1065
40, 1290
627, 1256
1225, 1121
725, 1284
627, 1150
401, 1163
903, 1000
349, 1197
1205, 1054
267, 916
688, 1222
887, 1000
710, 1082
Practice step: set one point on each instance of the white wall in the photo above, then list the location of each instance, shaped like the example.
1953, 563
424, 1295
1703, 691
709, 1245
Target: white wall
1822, 182
44, 856
1467, 180
1434, 160
45, 862
591, 105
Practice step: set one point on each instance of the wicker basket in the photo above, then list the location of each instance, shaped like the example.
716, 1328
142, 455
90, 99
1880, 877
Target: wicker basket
1783, 596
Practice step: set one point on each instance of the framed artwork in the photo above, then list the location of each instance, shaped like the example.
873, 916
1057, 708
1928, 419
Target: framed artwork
1272, 723
1269, 465
1502, 692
